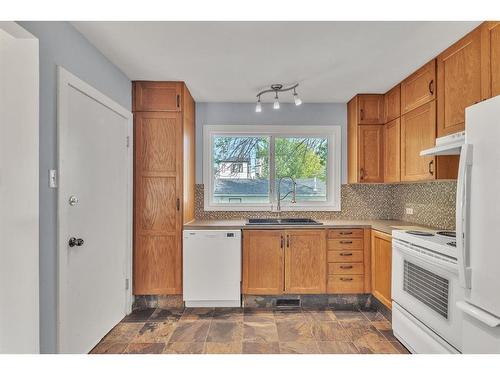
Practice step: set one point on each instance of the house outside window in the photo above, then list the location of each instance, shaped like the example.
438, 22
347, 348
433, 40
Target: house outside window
244, 164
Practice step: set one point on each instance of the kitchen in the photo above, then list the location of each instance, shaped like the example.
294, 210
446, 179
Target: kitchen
241, 214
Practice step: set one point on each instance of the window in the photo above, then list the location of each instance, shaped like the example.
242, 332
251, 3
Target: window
245, 166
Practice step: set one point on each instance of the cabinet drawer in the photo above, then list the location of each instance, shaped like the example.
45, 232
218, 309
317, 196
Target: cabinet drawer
346, 244
345, 284
345, 233
345, 256
345, 269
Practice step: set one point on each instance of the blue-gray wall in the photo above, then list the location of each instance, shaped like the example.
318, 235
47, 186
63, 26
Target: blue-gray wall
61, 44
288, 114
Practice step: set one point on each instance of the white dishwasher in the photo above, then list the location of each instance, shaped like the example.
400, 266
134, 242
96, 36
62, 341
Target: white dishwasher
212, 268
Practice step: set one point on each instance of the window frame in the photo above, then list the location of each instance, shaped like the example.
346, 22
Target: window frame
334, 165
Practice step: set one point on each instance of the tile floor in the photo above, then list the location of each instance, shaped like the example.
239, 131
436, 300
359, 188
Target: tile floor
251, 331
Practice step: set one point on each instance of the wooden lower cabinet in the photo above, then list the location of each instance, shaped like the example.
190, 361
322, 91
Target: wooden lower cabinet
263, 256
305, 263
277, 262
381, 267
348, 260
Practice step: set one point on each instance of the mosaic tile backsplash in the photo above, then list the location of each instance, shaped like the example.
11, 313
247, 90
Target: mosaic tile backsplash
433, 204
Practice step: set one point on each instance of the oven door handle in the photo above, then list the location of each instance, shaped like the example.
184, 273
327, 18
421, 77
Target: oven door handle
481, 315
409, 251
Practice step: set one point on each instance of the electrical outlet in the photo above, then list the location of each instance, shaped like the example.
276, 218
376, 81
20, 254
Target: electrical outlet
409, 210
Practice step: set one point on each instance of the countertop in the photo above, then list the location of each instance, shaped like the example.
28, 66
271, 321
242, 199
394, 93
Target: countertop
385, 226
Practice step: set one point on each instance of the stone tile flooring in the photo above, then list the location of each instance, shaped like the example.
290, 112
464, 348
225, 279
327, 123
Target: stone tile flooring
251, 331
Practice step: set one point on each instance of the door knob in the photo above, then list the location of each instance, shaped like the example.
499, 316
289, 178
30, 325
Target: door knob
75, 242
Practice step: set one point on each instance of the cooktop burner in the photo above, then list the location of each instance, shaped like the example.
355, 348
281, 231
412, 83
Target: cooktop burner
452, 243
447, 233
420, 233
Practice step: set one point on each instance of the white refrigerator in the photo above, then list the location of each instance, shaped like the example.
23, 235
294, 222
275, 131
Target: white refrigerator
478, 227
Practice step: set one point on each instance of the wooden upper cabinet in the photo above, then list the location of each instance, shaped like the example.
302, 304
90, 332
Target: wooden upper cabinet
419, 88
459, 82
418, 132
392, 104
157, 96
352, 142
370, 153
490, 39
392, 142
382, 267
305, 261
263, 262
370, 109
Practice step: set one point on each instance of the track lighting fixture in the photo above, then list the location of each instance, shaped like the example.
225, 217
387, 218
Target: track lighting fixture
276, 88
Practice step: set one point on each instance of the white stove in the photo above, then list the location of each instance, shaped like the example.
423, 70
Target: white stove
442, 242
425, 289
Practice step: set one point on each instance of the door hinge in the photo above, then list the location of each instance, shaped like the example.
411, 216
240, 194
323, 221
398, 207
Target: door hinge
127, 286
128, 141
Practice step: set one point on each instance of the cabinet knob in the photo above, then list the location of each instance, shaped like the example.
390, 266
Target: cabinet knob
431, 87
346, 279
345, 267
430, 167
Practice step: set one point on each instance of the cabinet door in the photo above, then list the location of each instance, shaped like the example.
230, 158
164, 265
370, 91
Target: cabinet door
392, 104
392, 134
305, 261
419, 88
263, 261
382, 267
418, 132
370, 157
157, 96
352, 142
491, 58
458, 82
370, 109
157, 217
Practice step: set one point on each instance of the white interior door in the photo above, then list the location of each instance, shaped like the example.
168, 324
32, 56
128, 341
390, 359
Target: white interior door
19, 298
94, 209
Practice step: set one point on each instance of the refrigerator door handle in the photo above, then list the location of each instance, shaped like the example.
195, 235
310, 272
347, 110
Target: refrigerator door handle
481, 315
462, 215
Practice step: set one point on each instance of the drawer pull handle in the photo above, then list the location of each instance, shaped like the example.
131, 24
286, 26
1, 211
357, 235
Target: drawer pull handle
345, 254
345, 267
345, 242
345, 233
346, 279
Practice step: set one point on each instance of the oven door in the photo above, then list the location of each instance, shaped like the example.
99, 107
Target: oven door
426, 286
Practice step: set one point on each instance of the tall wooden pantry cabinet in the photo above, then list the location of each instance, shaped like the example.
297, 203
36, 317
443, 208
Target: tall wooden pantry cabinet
164, 166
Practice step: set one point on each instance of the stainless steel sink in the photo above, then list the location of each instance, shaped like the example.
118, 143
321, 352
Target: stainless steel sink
285, 221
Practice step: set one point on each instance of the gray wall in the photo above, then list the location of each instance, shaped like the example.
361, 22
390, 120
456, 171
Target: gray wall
288, 114
61, 44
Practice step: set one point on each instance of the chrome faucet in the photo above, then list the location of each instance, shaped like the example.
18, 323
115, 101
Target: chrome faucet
293, 191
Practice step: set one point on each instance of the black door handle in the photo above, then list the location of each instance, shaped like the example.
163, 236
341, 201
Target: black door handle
75, 242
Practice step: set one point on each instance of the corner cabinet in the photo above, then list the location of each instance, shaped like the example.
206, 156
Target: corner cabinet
163, 183
381, 267
365, 142
284, 261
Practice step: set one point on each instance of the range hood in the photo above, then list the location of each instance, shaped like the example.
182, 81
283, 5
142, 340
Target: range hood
449, 145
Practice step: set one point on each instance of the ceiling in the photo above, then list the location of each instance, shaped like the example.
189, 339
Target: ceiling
232, 61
